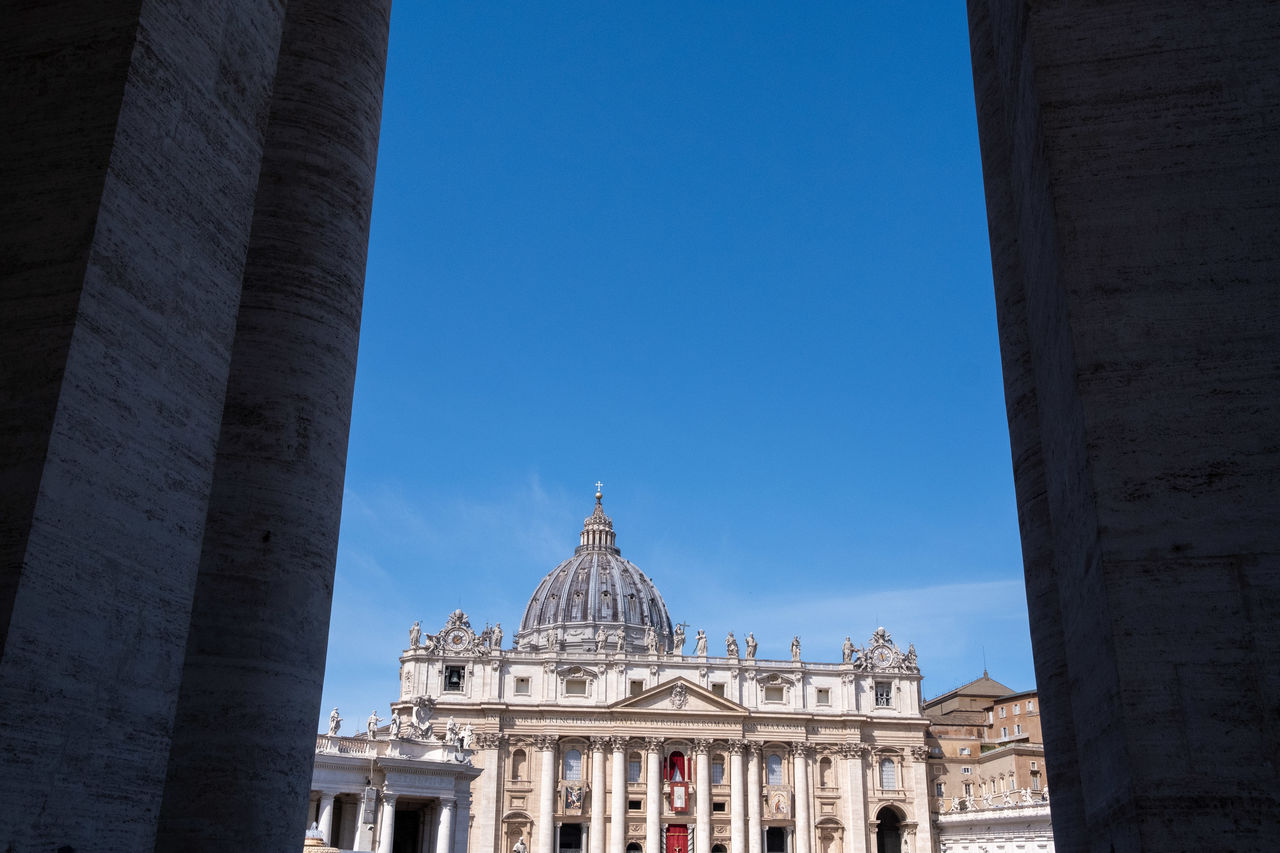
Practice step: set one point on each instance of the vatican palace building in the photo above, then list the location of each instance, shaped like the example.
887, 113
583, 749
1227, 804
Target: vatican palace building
607, 728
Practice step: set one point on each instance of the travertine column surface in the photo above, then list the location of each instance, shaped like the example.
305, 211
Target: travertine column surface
259, 621
855, 797
618, 797
325, 821
546, 745
804, 820
653, 794
387, 823
754, 796
444, 828
598, 798
702, 815
737, 799
492, 749
1130, 164
133, 138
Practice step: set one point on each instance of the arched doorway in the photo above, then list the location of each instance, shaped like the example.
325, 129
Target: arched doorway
634, 847
888, 831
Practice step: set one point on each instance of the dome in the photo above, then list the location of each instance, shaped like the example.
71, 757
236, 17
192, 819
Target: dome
595, 590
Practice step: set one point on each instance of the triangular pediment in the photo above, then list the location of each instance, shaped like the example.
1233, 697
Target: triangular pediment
679, 696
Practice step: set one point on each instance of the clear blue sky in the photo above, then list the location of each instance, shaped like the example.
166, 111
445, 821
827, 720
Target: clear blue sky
732, 260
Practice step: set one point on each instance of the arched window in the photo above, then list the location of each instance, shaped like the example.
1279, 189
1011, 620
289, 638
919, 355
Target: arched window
676, 769
573, 766
517, 765
888, 775
718, 848
634, 847
773, 769
634, 767
717, 770
824, 773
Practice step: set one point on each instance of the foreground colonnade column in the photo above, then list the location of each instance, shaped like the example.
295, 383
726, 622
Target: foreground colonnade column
444, 826
325, 818
387, 823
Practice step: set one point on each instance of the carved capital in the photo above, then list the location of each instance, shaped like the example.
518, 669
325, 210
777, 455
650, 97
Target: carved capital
549, 667
854, 750
489, 740
737, 746
802, 750
599, 743
701, 746
754, 749
545, 741
920, 753
619, 743
653, 744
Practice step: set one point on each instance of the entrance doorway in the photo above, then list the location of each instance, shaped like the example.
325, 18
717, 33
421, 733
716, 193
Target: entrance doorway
404, 838
571, 838
889, 831
775, 839
677, 838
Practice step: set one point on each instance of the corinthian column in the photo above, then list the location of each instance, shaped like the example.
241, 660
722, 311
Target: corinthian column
920, 797
596, 841
546, 746
754, 830
618, 796
444, 828
737, 798
702, 813
854, 796
653, 796
490, 746
804, 822
387, 823
326, 816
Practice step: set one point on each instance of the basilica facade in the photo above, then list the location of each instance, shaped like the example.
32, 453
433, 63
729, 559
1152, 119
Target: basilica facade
607, 728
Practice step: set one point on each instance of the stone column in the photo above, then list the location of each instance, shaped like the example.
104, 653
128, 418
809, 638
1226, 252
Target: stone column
920, 798
802, 752
755, 831
387, 823
462, 820
737, 798
259, 617
702, 769
546, 746
492, 748
653, 795
444, 827
595, 839
325, 819
855, 797
618, 797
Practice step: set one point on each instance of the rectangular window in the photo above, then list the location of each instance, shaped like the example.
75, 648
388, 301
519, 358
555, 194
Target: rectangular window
575, 687
966, 770
824, 696
964, 750
937, 789
637, 687
884, 694
1034, 766
717, 771
633, 770
1035, 781
719, 806
1017, 728
774, 694
1017, 709
522, 685
454, 677
935, 751
635, 805
968, 789
1004, 731
718, 689
1003, 712
1031, 706
990, 719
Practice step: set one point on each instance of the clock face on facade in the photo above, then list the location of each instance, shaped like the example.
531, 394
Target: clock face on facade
455, 639
881, 656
